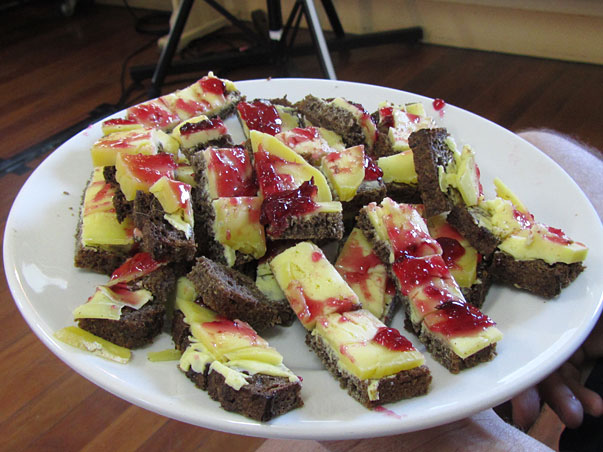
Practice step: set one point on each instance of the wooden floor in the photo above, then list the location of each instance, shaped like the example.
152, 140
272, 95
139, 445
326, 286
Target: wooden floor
55, 70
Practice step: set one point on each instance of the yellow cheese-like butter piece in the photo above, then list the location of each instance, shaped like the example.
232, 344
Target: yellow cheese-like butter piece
350, 335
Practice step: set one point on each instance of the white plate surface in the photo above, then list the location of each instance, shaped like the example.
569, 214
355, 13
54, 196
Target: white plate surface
538, 335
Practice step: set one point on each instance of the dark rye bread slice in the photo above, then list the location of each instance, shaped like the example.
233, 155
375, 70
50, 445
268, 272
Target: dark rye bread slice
441, 352
202, 208
476, 294
466, 220
158, 237
263, 398
205, 217
313, 226
382, 248
99, 259
535, 276
321, 114
435, 346
136, 328
450, 360
390, 310
368, 191
180, 331
430, 151
123, 208
383, 146
225, 141
403, 385
403, 193
229, 108
232, 294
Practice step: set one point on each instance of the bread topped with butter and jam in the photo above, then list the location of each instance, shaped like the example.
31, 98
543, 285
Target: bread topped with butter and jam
323, 215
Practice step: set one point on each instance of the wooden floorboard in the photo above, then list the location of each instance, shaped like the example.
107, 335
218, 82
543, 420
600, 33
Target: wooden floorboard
54, 71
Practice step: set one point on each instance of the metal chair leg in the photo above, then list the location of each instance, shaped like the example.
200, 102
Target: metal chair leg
319, 39
167, 54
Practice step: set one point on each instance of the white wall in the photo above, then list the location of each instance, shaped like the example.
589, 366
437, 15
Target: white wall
562, 29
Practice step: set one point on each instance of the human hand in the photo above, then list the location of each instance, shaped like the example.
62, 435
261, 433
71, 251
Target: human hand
483, 431
563, 390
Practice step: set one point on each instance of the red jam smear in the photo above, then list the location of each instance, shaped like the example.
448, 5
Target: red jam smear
478, 175
102, 200
333, 156
426, 300
366, 120
386, 116
413, 118
439, 294
447, 230
138, 265
126, 141
354, 267
182, 192
234, 327
153, 114
557, 236
192, 107
150, 168
387, 412
212, 85
233, 172
270, 180
410, 242
525, 220
279, 206
124, 294
460, 319
298, 135
390, 286
452, 250
260, 115
371, 169
308, 309
120, 122
343, 349
391, 339
209, 124
415, 272
106, 191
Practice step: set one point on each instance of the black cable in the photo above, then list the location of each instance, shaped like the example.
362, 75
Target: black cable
155, 24
126, 92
